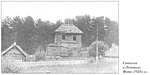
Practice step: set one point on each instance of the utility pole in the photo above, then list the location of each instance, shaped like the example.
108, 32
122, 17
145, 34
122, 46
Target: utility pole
97, 60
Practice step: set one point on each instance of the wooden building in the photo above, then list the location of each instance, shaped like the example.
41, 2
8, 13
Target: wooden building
56, 50
68, 35
14, 52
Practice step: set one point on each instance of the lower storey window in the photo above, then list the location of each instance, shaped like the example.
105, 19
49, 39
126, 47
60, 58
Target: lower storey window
74, 38
63, 37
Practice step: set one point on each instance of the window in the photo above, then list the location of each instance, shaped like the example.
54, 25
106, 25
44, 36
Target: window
74, 38
63, 37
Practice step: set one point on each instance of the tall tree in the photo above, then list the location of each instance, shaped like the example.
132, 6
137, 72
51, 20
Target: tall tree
7, 33
26, 32
29, 34
112, 34
83, 23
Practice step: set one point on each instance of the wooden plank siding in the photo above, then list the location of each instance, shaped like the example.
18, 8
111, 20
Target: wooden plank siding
68, 41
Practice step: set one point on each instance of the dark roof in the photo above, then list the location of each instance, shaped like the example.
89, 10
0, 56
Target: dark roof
68, 28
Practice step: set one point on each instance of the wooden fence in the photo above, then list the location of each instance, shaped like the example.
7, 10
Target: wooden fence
51, 63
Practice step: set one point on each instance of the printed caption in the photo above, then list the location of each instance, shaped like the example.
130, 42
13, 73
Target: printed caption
132, 67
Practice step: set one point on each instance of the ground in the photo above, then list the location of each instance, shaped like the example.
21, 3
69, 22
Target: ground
105, 65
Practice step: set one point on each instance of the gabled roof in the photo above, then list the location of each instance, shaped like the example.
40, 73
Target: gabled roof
68, 28
14, 45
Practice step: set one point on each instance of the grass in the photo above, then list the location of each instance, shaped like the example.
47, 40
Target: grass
107, 65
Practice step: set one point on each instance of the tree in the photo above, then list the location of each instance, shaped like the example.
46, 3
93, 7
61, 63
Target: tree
7, 33
112, 34
102, 47
45, 31
29, 34
83, 23
25, 34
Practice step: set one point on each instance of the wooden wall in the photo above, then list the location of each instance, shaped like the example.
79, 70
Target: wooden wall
14, 54
69, 42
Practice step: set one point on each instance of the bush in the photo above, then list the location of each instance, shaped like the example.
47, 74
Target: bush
102, 47
40, 54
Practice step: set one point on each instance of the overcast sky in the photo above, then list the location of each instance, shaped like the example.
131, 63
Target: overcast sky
54, 11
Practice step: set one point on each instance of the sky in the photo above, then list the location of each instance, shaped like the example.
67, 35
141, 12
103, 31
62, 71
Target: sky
54, 11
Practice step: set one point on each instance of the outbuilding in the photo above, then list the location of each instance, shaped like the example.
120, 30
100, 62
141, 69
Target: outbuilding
14, 52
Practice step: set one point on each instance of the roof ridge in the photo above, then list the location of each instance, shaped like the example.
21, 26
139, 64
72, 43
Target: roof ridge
14, 44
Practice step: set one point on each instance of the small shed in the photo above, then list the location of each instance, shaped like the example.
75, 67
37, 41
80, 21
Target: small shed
112, 52
14, 52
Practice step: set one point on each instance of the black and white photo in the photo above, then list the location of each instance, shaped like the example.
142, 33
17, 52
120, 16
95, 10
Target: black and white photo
53, 37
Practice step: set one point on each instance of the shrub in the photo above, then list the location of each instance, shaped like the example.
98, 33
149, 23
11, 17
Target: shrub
102, 47
40, 54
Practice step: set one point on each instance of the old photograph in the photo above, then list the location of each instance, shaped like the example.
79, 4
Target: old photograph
60, 37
